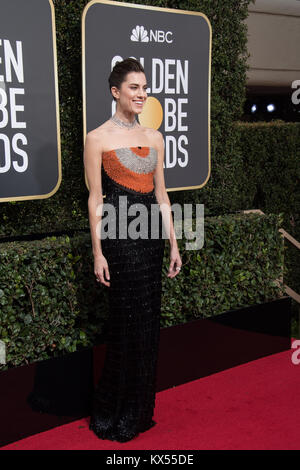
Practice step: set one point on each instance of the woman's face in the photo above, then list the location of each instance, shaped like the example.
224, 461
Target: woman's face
132, 93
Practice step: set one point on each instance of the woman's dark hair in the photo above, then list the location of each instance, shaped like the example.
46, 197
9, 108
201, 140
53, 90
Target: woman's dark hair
121, 69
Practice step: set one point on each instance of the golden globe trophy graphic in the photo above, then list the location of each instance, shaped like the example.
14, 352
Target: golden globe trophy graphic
152, 114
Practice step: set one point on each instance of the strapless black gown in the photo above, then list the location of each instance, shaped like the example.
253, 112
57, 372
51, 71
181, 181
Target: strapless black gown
124, 399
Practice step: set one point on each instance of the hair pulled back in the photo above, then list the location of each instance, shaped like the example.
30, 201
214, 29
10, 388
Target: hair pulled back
121, 69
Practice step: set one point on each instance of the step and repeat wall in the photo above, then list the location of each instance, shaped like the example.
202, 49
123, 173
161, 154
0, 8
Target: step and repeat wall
30, 158
174, 46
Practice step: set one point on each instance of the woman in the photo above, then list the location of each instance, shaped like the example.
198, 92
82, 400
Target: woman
123, 158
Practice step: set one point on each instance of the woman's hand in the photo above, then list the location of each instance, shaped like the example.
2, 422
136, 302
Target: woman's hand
101, 270
175, 262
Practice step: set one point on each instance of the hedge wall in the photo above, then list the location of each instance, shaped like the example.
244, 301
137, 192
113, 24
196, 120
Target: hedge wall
50, 302
270, 171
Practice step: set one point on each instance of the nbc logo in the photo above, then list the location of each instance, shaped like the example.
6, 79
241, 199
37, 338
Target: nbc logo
140, 34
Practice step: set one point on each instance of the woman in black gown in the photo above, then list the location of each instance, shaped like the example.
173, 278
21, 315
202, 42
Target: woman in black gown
124, 161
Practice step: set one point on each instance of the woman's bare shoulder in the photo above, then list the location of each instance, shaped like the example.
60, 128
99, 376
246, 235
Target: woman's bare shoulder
100, 133
153, 135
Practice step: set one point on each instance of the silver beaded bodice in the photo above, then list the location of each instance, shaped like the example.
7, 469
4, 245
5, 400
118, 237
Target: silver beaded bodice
135, 163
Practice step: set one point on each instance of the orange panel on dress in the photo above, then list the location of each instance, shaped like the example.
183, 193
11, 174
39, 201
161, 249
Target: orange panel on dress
120, 174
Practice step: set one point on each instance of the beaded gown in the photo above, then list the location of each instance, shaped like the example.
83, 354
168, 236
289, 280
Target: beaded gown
124, 399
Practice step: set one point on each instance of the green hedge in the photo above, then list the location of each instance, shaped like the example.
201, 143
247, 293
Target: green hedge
270, 171
50, 302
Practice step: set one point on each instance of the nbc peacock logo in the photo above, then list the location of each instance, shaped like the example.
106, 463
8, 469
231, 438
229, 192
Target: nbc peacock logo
139, 33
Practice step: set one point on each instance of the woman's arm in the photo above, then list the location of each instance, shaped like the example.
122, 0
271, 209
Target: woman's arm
165, 206
92, 159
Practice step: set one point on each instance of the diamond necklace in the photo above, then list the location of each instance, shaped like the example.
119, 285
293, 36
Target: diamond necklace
127, 125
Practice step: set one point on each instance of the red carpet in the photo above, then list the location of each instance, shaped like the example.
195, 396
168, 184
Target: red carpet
254, 406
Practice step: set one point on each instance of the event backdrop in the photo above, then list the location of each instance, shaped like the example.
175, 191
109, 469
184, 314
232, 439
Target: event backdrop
30, 162
174, 46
